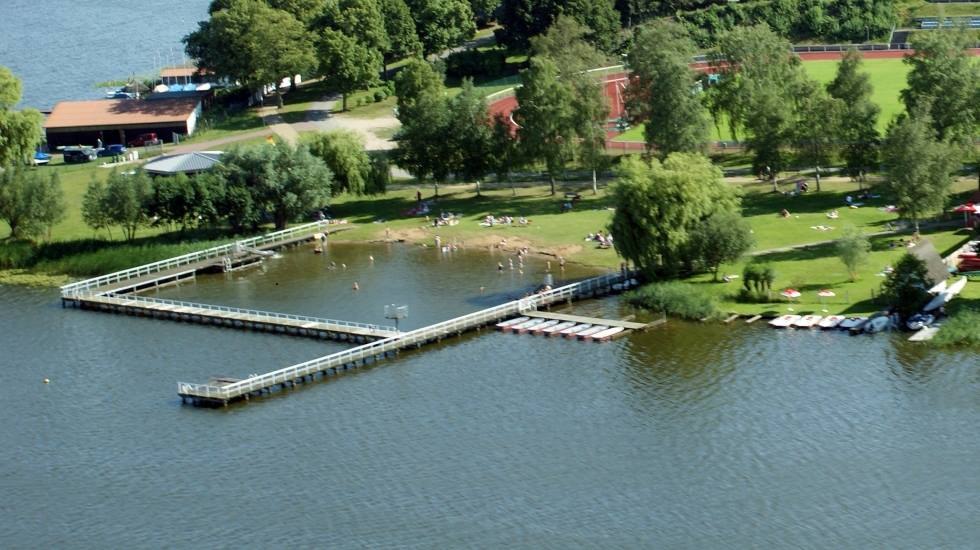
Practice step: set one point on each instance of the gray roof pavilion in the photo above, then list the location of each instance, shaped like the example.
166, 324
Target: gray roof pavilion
186, 163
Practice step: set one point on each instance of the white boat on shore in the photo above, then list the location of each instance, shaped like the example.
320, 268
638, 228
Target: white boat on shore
955, 288
946, 295
506, 325
784, 321
587, 334
607, 334
830, 321
939, 288
852, 323
555, 329
807, 321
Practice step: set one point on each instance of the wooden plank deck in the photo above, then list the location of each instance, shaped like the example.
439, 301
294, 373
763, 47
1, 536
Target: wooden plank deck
586, 320
212, 394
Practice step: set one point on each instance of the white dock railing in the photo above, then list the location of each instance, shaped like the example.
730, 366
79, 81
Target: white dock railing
148, 302
230, 249
404, 340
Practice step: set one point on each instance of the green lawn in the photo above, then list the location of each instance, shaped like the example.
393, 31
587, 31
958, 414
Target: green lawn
887, 79
947, 10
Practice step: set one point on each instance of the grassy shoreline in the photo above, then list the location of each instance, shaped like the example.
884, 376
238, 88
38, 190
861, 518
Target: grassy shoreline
791, 245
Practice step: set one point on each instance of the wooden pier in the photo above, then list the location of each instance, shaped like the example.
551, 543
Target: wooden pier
233, 317
221, 393
219, 258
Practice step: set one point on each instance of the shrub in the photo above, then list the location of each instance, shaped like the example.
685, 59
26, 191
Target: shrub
380, 95
675, 299
961, 329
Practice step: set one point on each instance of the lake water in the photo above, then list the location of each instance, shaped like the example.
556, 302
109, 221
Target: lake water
689, 435
61, 48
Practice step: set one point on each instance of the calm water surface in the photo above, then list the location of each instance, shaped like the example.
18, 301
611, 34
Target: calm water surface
697, 436
61, 48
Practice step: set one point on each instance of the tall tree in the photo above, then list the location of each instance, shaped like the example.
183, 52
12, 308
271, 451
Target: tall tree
469, 134
253, 43
305, 11
403, 41
919, 167
817, 126
545, 117
344, 154
442, 24
857, 132
346, 63
20, 131
424, 114
723, 237
906, 288
125, 200
852, 249
763, 87
565, 42
661, 91
523, 19
945, 76
362, 20
174, 200
30, 202
659, 205
504, 149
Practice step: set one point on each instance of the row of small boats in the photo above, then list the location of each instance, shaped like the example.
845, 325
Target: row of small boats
568, 329
875, 323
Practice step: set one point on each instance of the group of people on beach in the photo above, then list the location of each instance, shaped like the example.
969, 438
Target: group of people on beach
490, 220
604, 240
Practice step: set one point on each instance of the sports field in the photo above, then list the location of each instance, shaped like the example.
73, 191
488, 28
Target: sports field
887, 81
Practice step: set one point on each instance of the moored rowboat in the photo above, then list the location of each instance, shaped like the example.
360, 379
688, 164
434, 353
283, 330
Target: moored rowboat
587, 334
506, 325
555, 329
538, 329
572, 332
607, 334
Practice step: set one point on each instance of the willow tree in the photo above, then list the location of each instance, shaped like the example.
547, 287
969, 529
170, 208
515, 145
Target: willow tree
659, 205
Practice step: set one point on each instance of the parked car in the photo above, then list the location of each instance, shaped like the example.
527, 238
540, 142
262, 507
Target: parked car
40, 158
114, 150
145, 139
79, 154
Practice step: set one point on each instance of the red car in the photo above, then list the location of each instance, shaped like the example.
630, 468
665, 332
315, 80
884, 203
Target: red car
145, 139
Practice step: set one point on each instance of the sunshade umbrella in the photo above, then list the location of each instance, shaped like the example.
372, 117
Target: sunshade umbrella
791, 293
826, 293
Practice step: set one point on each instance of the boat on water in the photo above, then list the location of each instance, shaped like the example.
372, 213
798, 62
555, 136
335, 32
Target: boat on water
784, 321
587, 334
877, 323
607, 334
527, 325
540, 328
506, 325
807, 321
830, 321
920, 321
572, 332
853, 324
555, 329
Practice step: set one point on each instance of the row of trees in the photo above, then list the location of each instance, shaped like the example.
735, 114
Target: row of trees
560, 116
348, 42
275, 183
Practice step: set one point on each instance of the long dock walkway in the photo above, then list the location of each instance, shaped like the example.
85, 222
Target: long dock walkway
299, 325
222, 392
589, 320
181, 267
